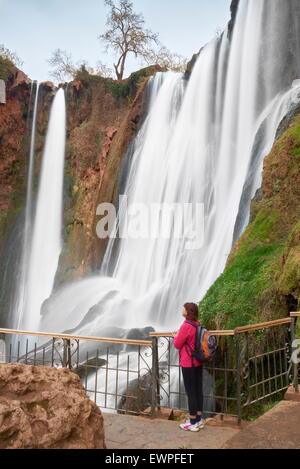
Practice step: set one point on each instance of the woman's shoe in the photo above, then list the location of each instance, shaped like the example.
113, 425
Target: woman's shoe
186, 423
187, 426
200, 424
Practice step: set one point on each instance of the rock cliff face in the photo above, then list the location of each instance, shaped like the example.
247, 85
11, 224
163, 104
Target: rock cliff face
233, 10
262, 278
13, 144
46, 408
103, 117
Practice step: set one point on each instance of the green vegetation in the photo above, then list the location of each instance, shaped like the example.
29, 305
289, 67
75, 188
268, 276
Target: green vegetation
86, 77
236, 297
128, 88
6, 68
119, 89
8, 60
260, 408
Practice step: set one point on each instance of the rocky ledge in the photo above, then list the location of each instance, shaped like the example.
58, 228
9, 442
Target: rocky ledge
46, 408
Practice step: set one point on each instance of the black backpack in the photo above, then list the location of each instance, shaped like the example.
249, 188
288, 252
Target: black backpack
206, 344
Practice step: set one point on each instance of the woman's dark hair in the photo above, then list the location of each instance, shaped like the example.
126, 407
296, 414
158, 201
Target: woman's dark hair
192, 310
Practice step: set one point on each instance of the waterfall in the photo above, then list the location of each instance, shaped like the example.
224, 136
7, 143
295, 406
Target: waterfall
202, 142
19, 304
46, 233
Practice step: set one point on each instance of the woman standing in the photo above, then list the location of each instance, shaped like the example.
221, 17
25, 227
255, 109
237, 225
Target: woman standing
192, 369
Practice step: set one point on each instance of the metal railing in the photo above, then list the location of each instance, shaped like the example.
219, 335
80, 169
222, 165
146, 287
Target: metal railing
294, 336
116, 373
218, 399
252, 364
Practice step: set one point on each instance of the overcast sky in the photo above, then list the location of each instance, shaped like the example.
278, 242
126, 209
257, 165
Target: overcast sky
34, 28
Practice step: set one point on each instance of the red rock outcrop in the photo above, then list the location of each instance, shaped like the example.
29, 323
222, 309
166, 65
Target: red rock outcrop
103, 116
19, 79
42, 407
13, 133
100, 129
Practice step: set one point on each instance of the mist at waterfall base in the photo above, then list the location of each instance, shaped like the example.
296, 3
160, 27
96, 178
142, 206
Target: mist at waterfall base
203, 141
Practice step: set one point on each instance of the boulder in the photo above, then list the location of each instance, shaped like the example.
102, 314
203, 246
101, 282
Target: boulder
46, 408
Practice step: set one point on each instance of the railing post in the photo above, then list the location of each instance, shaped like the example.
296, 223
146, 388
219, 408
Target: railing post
295, 365
69, 354
155, 379
64, 355
67, 357
238, 377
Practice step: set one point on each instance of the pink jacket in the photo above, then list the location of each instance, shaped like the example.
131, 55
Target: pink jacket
186, 334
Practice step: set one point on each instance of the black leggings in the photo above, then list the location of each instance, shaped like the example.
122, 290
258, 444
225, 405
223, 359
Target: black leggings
192, 378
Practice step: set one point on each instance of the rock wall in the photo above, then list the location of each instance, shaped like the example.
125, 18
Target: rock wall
13, 145
46, 408
15, 129
102, 118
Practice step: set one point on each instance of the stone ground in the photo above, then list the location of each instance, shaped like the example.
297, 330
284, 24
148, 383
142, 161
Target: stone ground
277, 429
130, 432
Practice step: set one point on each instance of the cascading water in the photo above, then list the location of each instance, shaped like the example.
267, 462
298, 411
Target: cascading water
200, 143
46, 234
19, 304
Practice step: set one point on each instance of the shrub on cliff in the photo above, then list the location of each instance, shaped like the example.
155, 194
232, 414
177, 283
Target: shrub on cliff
8, 61
128, 88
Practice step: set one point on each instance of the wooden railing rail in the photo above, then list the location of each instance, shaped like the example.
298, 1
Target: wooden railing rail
146, 343
269, 369
295, 315
230, 332
263, 325
238, 330
170, 334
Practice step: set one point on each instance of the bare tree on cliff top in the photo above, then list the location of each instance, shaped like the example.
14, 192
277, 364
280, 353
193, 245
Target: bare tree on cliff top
167, 59
126, 33
62, 62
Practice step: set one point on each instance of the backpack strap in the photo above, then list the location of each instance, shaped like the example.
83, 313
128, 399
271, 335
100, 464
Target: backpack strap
195, 325
191, 323
186, 344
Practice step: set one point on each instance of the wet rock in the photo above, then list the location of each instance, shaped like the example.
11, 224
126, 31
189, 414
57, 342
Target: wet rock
90, 366
233, 9
138, 395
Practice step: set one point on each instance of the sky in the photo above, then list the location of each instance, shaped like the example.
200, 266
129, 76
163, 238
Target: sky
35, 28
